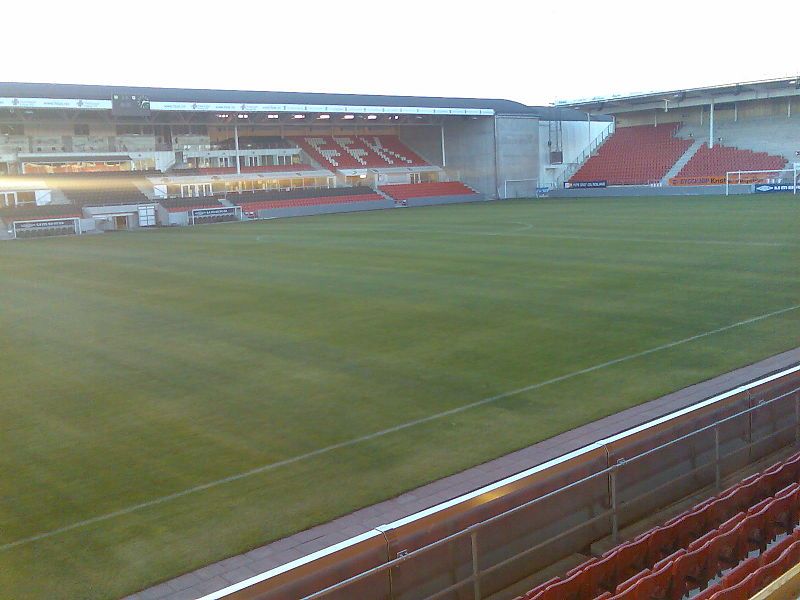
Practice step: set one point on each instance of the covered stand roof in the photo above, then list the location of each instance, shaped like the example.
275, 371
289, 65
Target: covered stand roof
98, 97
733, 92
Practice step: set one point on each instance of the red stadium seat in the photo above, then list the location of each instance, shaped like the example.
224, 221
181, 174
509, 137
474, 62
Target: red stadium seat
698, 546
359, 152
572, 588
632, 582
407, 191
631, 558
601, 576
635, 155
717, 161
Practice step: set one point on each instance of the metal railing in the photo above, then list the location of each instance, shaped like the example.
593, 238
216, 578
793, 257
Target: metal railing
587, 153
615, 509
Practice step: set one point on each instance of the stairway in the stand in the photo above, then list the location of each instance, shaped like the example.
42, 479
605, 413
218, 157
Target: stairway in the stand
687, 156
383, 194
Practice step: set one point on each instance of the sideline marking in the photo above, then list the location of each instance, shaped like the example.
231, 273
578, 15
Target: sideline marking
518, 232
377, 434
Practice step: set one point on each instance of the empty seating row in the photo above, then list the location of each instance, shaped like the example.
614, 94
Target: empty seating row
359, 152
407, 191
32, 212
755, 573
122, 174
255, 206
293, 168
685, 570
250, 142
393, 151
719, 160
88, 189
241, 198
187, 204
635, 155
712, 535
103, 193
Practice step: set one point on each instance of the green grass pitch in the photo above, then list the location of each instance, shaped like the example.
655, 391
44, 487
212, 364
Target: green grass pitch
136, 366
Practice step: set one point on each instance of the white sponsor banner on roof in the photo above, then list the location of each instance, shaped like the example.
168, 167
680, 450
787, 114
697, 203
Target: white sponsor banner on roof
72, 103
314, 108
80, 104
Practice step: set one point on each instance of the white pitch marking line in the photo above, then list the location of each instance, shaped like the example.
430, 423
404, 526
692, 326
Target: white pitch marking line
377, 434
560, 236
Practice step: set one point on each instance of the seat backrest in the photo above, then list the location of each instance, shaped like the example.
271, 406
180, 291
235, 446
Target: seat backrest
572, 588
601, 575
631, 558
740, 573
688, 570
626, 585
741, 591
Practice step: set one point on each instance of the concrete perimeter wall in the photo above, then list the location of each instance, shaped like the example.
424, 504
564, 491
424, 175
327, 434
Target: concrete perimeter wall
444, 200
322, 209
646, 190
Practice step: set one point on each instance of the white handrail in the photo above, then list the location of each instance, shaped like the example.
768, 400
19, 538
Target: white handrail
585, 155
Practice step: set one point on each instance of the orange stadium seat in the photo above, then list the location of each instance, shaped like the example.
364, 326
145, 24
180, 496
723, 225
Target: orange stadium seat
717, 161
359, 152
407, 191
731, 544
636, 155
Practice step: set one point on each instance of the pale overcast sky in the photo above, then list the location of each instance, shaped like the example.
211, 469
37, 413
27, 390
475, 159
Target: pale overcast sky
532, 52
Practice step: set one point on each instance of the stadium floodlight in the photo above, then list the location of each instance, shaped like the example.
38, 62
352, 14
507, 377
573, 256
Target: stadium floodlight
324, 117
348, 117
299, 116
372, 117
271, 116
242, 116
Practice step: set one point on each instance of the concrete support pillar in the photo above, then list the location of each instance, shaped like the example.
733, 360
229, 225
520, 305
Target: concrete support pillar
711, 126
496, 173
588, 133
444, 155
236, 146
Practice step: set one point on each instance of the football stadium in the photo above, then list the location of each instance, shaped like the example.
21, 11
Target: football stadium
283, 345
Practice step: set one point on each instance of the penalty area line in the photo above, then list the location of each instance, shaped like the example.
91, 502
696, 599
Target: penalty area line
365, 438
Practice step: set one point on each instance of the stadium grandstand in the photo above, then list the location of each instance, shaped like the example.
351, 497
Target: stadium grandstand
156, 150
694, 495
694, 139
117, 156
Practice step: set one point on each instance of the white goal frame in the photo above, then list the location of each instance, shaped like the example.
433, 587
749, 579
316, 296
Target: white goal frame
76, 224
507, 181
237, 212
735, 177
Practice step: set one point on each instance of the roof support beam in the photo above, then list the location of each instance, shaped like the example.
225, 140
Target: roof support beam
624, 106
